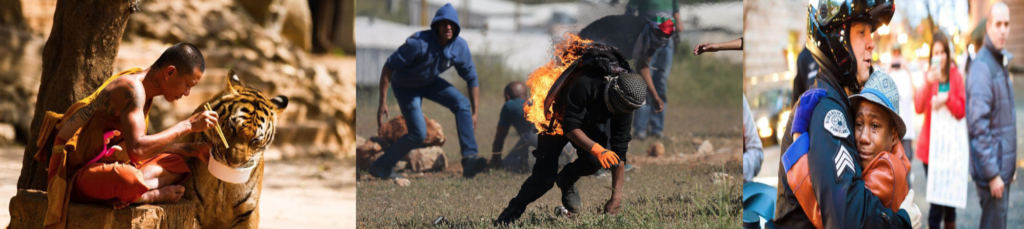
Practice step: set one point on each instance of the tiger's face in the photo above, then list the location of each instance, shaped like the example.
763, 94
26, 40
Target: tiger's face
248, 119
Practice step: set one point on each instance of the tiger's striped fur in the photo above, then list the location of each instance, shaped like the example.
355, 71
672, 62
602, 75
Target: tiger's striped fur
248, 119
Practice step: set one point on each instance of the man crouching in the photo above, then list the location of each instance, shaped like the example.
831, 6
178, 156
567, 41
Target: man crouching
600, 89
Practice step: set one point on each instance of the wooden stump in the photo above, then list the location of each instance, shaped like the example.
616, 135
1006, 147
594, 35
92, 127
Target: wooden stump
28, 208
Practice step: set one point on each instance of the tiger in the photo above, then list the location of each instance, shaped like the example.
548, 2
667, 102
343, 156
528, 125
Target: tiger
248, 120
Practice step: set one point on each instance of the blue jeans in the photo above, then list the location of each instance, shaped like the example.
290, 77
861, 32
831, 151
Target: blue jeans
409, 100
661, 64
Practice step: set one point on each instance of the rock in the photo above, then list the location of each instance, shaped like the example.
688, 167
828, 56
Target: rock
394, 129
7, 134
28, 207
297, 26
264, 46
21, 65
656, 150
367, 152
257, 8
10, 14
426, 159
705, 148
291, 19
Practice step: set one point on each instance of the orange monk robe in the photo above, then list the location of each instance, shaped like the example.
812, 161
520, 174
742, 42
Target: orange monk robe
115, 176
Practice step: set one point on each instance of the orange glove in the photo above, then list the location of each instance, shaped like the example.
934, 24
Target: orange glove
606, 157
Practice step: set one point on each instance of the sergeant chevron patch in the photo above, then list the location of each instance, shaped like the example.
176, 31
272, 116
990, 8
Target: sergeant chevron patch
843, 161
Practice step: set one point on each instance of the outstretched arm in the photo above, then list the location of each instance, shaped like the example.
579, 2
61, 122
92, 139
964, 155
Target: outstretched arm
499, 139
715, 47
128, 100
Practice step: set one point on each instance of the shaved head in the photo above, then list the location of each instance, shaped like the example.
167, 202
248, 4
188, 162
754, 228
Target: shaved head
183, 56
998, 27
515, 90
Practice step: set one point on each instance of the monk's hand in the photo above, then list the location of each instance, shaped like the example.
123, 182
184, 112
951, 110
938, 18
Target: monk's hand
202, 121
606, 157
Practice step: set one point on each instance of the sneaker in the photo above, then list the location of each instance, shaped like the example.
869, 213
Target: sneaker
472, 164
640, 136
563, 212
383, 173
388, 174
628, 167
570, 195
659, 135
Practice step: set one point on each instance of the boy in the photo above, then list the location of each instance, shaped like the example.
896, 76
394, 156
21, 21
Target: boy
878, 130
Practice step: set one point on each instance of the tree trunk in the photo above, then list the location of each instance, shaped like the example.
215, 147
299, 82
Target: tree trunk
78, 56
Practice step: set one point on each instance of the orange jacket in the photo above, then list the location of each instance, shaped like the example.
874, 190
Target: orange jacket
885, 176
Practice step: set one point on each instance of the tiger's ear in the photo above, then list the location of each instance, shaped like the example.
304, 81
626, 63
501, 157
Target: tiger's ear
280, 102
232, 82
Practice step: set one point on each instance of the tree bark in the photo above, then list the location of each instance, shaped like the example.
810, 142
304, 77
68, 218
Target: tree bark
78, 57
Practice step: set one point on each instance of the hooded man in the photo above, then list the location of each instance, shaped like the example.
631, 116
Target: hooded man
601, 89
414, 73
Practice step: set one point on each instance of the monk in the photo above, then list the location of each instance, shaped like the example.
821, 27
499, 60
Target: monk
102, 152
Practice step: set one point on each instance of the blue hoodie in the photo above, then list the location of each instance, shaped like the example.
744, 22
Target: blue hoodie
422, 59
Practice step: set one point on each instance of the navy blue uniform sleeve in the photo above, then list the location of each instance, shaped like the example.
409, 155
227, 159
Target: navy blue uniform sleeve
579, 96
406, 54
464, 64
844, 200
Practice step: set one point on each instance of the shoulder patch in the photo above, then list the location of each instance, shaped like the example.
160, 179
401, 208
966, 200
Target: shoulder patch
835, 122
843, 161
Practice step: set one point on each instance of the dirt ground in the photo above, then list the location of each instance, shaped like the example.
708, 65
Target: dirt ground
300, 193
678, 190
679, 195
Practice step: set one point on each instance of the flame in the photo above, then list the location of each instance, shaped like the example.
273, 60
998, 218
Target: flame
540, 81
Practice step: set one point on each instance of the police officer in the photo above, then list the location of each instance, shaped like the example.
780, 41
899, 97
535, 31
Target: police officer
839, 38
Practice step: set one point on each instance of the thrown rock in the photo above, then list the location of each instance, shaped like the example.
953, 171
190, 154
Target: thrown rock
656, 150
367, 152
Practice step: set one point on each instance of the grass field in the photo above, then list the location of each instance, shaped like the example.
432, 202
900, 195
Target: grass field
674, 191
655, 196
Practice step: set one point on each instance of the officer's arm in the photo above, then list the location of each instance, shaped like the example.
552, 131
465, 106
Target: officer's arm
843, 199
